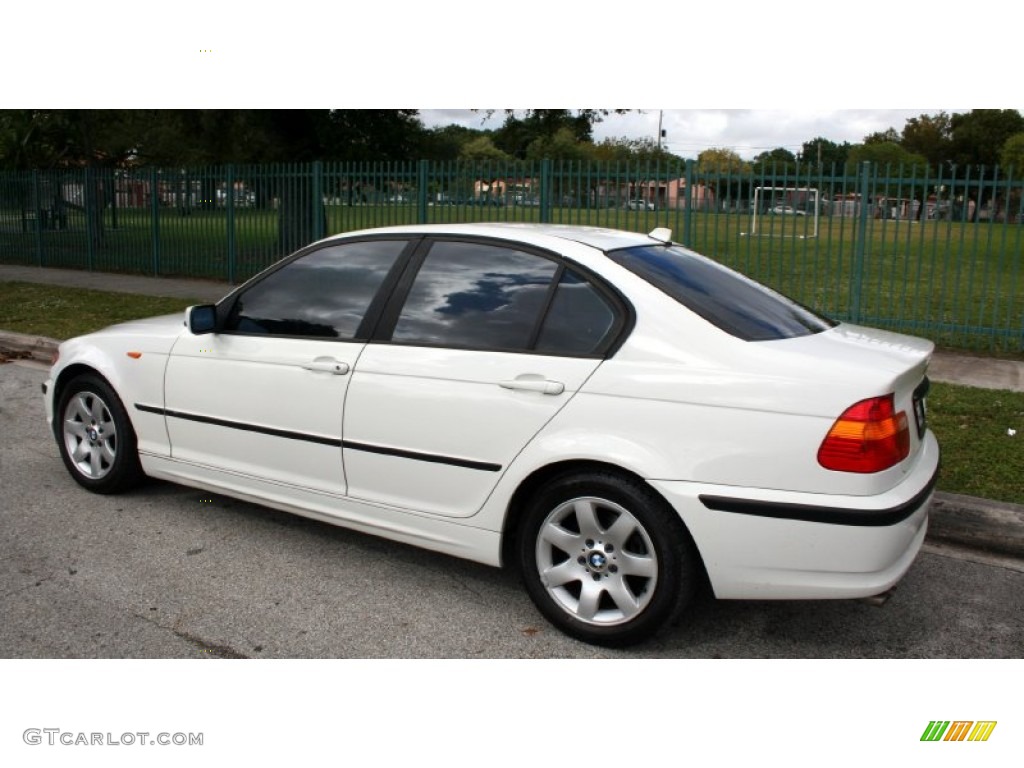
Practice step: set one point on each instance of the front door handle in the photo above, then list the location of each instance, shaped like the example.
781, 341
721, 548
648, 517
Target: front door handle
531, 382
327, 365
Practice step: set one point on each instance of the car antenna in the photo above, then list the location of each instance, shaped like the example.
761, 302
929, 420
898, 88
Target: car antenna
664, 234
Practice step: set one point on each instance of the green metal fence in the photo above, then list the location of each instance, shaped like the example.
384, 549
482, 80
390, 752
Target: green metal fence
935, 254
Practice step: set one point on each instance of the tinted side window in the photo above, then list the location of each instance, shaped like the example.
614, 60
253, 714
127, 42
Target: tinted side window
325, 293
736, 304
578, 321
475, 295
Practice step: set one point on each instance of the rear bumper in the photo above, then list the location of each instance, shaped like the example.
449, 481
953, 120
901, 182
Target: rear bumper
773, 544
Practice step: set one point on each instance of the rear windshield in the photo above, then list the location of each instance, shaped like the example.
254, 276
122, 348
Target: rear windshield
727, 299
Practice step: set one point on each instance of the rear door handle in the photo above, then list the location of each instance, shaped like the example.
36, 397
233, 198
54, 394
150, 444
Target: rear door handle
531, 382
327, 365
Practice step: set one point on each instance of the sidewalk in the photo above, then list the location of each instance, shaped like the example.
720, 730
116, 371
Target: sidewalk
205, 290
960, 521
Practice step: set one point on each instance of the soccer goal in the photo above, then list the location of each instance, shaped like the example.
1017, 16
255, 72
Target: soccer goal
785, 212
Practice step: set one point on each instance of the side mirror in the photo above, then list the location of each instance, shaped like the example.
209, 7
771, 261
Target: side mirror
201, 318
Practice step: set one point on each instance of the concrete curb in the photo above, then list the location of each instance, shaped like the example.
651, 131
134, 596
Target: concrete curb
966, 521
963, 521
39, 348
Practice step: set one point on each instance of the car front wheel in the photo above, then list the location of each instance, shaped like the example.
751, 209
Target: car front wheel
605, 559
96, 439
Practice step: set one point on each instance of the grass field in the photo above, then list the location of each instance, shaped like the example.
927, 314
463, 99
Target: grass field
979, 456
960, 284
60, 313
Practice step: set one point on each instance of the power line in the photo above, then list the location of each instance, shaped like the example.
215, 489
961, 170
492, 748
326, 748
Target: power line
736, 147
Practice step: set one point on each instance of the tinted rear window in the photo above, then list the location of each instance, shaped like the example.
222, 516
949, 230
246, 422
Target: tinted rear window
727, 299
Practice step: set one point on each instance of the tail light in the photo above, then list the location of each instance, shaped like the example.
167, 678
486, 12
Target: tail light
869, 437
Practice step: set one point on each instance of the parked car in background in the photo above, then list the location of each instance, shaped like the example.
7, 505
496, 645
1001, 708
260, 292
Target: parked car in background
621, 418
639, 205
787, 210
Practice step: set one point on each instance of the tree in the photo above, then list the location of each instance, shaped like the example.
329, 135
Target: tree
979, 135
778, 160
562, 145
447, 142
623, 150
517, 133
888, 155
25, 142
1011, 160
1011, 157
929, 136
888, 136
720, 161
828, 154
482, 149
371, 134
42, 139
726, 169
188, 137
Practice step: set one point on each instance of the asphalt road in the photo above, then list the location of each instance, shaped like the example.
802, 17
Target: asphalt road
172, 572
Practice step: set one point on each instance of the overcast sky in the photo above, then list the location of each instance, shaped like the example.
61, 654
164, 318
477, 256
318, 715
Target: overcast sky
747, 131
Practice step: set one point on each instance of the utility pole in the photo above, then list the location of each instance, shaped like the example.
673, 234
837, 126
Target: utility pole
661, 133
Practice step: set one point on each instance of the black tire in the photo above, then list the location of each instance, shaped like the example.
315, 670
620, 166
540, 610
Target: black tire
620, 564
95, 437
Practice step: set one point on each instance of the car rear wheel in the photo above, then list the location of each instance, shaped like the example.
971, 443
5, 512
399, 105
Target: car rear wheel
96, 439
605, 559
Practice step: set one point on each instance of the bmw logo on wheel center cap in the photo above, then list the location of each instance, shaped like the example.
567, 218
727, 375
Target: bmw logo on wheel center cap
597, 560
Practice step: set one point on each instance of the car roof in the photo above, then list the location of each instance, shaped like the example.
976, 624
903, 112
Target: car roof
597, 237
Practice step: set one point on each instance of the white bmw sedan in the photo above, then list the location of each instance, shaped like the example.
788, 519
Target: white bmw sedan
617, 416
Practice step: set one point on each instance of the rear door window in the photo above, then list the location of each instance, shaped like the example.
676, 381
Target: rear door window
476, 295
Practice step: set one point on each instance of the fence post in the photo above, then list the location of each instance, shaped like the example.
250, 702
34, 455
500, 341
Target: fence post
229, 203
154, 212
422, 179
688, 205
545, 191
319, 214
90, 213
39, 217
113, 199
860, 244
